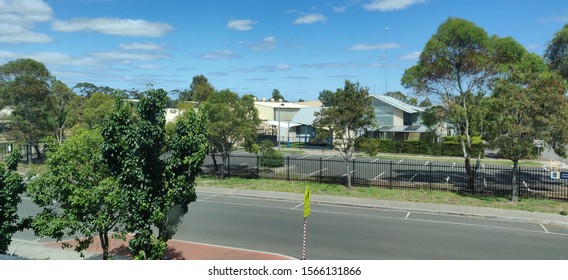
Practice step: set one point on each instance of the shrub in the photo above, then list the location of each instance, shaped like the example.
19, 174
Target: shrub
268, 156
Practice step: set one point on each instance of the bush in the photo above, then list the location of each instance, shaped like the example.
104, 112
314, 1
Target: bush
450, 147
268, 156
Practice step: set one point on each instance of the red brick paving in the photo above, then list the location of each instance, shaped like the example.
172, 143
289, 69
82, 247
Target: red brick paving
184, 250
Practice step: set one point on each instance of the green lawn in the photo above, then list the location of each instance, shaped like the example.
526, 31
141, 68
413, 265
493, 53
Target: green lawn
438, 197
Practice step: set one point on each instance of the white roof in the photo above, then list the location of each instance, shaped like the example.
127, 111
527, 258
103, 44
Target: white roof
279, 105
411, 109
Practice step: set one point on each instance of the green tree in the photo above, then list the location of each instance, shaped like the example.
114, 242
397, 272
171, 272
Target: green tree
326, 97
556, 53
458, 64
425, 103
96, 108
527, 104
347, 116
61, 100
398, 95
156, 192
77, 195
88, 89
232, 121
277, 96
199, 90
11, 187
25, 86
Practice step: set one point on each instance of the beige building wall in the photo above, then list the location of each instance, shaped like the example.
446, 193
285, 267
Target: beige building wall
398, 117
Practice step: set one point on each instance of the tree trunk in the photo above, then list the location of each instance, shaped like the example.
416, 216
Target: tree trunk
38, 152
104, 244
515, 186
223, 165
215, 166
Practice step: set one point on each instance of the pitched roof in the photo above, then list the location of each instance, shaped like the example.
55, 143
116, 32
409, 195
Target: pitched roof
411, 109
306, 115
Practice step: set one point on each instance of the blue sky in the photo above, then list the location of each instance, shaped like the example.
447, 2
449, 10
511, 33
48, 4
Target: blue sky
300, 47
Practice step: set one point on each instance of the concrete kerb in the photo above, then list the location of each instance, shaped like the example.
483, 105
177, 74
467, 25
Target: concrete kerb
421, 207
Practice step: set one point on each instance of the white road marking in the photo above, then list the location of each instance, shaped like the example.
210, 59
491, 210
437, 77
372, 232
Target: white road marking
304, 157
412, 177
448, 179
426, 163
374, 160
204, 199
545, 169
346, 173
301, 204
400, 161
453, 165
326, 158
406, 218
314, 173
243, 164
379, 176
544, 228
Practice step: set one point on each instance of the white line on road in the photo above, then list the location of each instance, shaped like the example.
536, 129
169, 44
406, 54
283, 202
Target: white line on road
208, 198
326, 158
297, 206
448, 179
426, 163
379, 176
453, 165
412, 177
346, 173
483, 166
544, 228
243, 164
304, 157
374, 160
314, 173
406, 218
400, 161
545, 169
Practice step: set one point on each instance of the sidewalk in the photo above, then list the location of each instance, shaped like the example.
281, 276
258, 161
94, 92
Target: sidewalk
183, 250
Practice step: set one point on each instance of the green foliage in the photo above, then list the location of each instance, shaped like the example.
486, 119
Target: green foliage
276, 95
156, 192
269, 157
25, 86
556, 54
232, 120
199, 90
11, 187
349, 111
77, 195
372, 146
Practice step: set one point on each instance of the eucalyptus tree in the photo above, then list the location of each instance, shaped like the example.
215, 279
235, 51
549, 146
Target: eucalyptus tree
11, 188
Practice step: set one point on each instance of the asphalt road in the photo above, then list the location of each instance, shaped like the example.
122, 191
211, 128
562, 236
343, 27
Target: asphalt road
339, 232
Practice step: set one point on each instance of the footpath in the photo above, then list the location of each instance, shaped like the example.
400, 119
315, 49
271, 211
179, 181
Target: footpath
183, 250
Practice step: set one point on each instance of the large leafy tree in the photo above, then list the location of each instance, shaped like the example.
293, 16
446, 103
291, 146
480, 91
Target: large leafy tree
349, 113
156, 192
458, 64
25, 86
232, 120
61, 99
11, 187
276, 95
77, 195
95, 109
556, 54
199, 90
527, 104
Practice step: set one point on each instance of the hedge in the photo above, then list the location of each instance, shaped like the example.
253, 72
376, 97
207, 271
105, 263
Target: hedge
450, 147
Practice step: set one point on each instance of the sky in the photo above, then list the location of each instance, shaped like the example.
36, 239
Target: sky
299, 47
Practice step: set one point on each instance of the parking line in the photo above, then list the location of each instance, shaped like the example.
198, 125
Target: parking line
426, 163
314, 173
400, 161
406, 218
448, 179
545, 169
378, 176
544, 228
374, 160
346, 173
413, 177
304, 157
326, 158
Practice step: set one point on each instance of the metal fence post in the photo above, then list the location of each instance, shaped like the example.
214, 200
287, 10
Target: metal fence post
430, 175
353, 171
390, 177
229, 165
288, 168
320, 168
257, 166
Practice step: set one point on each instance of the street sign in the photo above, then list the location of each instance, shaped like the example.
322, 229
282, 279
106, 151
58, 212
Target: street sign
554, 175
563, 175
307, 203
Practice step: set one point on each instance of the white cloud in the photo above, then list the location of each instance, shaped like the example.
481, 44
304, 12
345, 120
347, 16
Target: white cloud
267, 43
390, 5
410, 56
371, 47
143, 46
219, 55
17, 18
114, 26
282, 66
333, 65
127, 56
339, 9
241, 24
311, 18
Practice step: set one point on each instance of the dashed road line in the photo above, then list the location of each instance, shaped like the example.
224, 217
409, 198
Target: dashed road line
378, 176
375, 160
408, 214
412, 177
400, 161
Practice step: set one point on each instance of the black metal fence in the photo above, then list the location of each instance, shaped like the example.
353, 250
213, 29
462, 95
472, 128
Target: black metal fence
494, 180
28, 152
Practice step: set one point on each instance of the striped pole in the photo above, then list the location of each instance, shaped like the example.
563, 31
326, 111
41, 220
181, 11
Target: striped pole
304, 243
